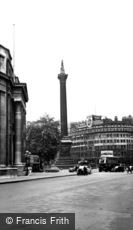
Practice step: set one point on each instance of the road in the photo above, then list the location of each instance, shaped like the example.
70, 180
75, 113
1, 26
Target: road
101, 201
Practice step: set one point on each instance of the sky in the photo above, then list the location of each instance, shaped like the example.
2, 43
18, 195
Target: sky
95, 40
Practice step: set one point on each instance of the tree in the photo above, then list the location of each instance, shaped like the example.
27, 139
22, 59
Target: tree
42, 137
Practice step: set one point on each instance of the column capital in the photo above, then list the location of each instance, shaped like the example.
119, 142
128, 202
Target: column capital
19, 100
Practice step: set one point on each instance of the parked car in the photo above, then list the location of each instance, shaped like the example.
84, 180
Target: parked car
119, 168
52, 168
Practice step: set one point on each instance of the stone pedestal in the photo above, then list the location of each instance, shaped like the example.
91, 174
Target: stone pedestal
64, 159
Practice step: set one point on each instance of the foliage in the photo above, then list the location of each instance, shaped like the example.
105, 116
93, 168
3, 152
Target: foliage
42, 137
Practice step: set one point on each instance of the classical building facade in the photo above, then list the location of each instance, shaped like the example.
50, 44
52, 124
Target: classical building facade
96, 134
13, 98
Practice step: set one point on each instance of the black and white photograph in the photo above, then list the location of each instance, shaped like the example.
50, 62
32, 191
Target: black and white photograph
66, 114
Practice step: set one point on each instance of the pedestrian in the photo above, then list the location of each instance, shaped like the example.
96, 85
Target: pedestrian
27, 171
129, 169
85, 170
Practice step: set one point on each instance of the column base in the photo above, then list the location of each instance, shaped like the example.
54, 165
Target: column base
8, 171
2, 166
20, 169
18, 164
64, 159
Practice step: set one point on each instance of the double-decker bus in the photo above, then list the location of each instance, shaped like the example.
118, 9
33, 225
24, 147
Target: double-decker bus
108, 161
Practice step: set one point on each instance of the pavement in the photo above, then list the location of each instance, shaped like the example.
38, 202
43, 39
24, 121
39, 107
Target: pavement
35, 176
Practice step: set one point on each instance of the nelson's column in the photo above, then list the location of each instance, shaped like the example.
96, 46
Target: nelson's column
64, 159
63, 101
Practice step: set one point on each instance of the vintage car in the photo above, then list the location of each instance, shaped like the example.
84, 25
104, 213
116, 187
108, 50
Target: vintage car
52, 168
84, 168
118, 168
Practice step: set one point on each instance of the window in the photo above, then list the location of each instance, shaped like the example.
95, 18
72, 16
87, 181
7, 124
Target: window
1, 61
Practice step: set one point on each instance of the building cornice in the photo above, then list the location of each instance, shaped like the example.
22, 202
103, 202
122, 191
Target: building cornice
3, 47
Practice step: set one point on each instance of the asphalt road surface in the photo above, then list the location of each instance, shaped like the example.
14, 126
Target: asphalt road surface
101, 201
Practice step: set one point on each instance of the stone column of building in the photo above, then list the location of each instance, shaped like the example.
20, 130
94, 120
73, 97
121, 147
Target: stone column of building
8, 144
23, 134
63, 101
2, 129
12, 134
18, 133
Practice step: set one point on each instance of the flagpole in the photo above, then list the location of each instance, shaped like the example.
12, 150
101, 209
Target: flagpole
14, 48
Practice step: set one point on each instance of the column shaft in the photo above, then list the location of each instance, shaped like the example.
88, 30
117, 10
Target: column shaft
18, 133
2, 129
63, 104
8, 145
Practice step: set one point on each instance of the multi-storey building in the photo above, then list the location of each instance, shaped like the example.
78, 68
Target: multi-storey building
13, 98
97, 134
